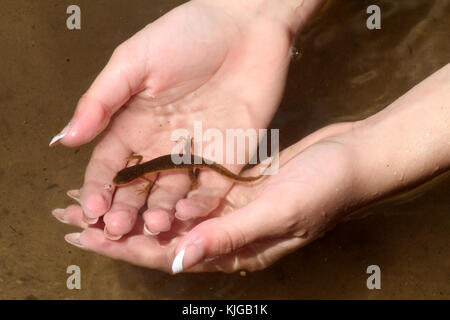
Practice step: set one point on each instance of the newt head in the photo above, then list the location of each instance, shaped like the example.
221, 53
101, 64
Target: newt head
127, 175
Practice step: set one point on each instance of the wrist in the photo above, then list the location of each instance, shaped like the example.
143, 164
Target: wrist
293, 14
406, 144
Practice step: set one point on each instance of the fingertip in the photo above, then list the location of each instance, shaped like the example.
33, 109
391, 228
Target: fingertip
199, 203
59, 214
192, 254
90, 119
187, 209
74, 239
147, 231
118, 223
157, 221
95, 205
111, 236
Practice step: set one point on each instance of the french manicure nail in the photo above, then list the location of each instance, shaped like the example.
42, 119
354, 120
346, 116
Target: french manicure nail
148, 232
74, 239
56, 139
177, 265
111, 236
188, 257
74, 194
59, 215
89, 220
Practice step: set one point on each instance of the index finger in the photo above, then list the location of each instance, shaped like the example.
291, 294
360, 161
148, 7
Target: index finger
96, 195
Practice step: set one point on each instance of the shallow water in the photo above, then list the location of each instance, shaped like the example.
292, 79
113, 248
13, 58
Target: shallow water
345, 72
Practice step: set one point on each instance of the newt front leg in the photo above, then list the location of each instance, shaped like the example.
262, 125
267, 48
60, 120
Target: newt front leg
146, 189
136, 157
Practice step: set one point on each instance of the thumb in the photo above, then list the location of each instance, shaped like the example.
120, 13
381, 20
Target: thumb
261, 219
122, 77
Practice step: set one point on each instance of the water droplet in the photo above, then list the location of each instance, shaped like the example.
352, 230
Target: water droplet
295, 54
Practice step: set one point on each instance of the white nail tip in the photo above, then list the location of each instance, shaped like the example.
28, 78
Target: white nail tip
177, 265
74, 194
148, 232
57, 138
74, 242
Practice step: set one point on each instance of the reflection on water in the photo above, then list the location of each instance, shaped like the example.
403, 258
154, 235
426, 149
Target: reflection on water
345, 72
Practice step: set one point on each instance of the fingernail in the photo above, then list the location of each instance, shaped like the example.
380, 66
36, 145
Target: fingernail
59, 214
147, 232
210, 259
187, 258
111, 236
89, 220
74, 239
177, 265
74, 194
56, 139
181, 218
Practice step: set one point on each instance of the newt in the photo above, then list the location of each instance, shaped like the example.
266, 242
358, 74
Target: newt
165, 163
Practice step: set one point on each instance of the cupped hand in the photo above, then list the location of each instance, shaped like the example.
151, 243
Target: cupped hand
255, 224
212, 61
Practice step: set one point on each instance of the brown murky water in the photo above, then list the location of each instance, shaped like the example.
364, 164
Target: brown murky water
346, 72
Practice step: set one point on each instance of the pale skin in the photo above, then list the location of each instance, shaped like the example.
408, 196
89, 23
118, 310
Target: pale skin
336, 170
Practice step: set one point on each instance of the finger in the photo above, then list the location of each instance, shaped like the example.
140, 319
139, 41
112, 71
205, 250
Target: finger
171, 187
73, 215
108, 158
212, 188
263, 218
256, 256
137, 249
122, 77
121, 218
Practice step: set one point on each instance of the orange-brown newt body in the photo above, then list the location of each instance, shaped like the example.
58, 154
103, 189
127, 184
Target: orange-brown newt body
165, 163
